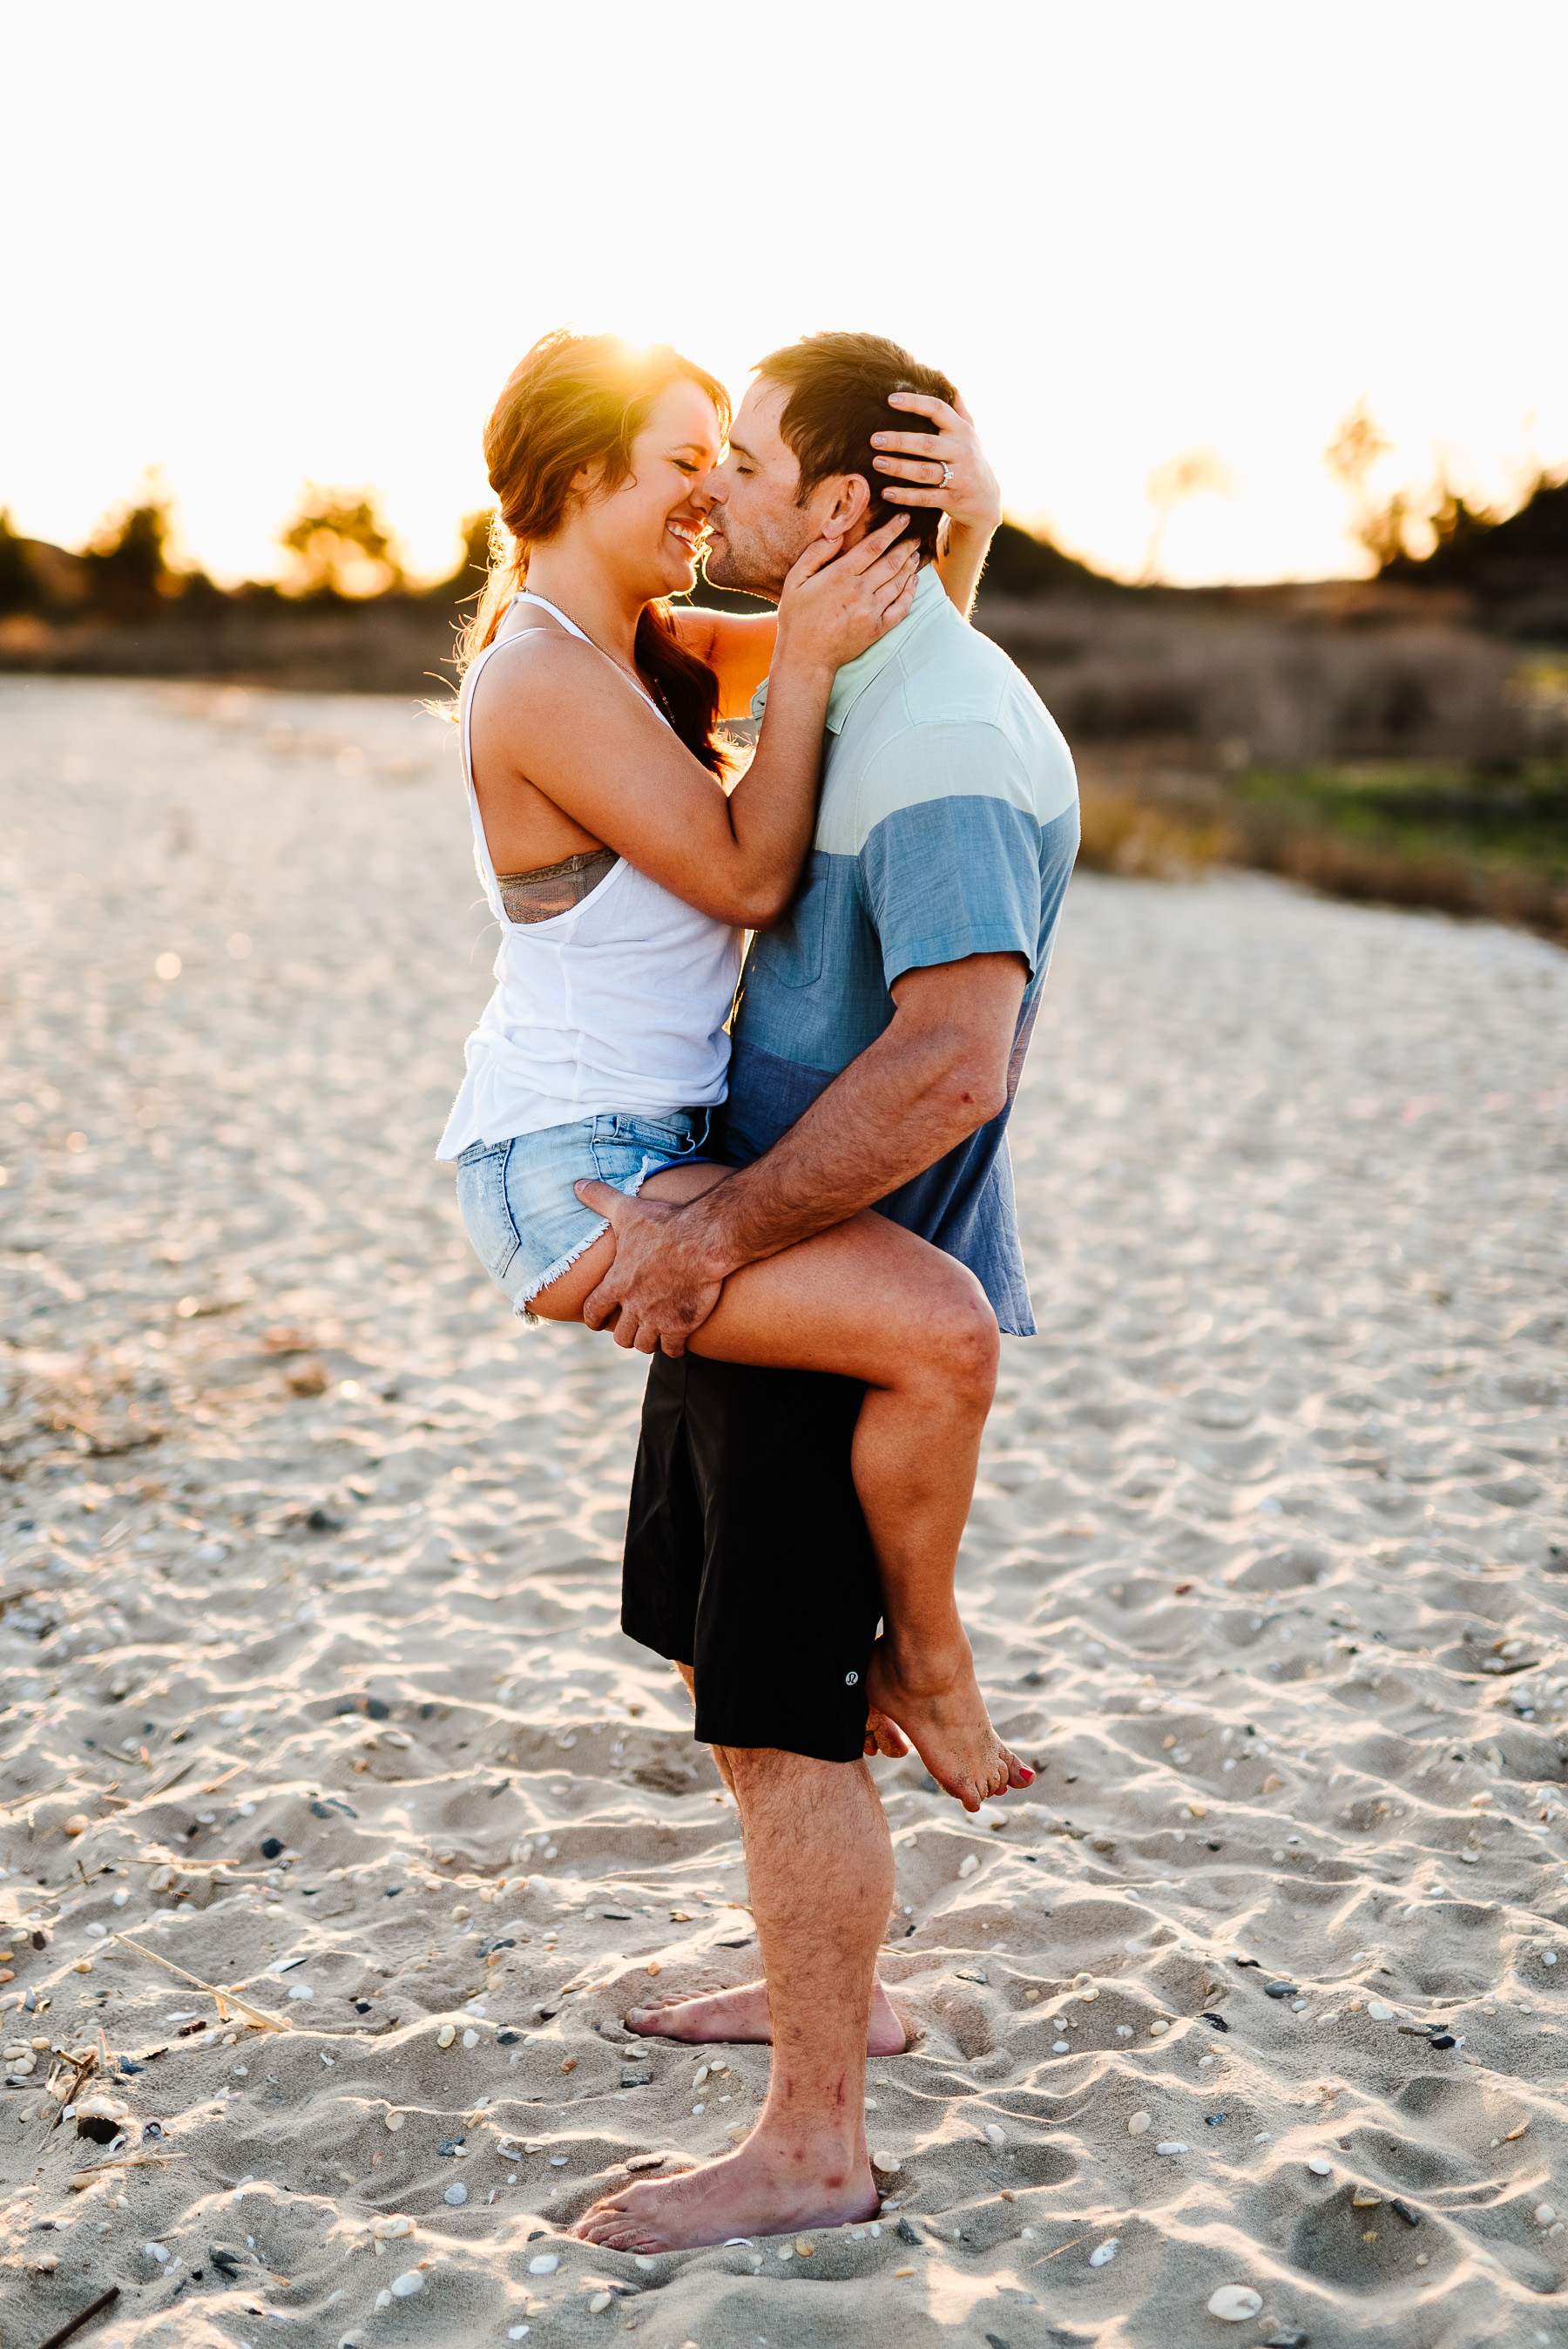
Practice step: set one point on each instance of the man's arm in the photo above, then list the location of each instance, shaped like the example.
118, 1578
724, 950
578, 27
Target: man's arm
935, 1075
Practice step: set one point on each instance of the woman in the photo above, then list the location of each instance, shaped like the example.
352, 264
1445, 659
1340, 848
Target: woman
623, 877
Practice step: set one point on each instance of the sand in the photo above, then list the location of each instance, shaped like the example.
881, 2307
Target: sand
313, 1681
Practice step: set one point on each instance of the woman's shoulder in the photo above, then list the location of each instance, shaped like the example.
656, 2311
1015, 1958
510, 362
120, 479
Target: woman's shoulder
528, 668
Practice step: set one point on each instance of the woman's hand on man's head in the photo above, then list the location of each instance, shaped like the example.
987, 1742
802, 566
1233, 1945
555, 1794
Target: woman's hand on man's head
910, 465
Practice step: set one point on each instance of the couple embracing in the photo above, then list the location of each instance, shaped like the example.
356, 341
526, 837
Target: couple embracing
787, 1183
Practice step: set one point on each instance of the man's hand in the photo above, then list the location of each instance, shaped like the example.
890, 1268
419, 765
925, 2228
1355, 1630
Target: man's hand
660, 1287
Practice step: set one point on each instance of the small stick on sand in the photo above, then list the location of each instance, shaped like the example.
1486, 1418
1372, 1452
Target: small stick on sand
1059, 2250
88, 2064
82, 2179
25, 1801
223, 1781
254, 2013
73, 2324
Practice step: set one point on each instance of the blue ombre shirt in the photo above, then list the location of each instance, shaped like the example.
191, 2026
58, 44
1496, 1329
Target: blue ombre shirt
948, 827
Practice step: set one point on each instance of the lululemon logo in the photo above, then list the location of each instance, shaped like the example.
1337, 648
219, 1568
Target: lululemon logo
850, 1678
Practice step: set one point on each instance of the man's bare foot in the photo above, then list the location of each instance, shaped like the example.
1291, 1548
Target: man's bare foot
741, 2018
771, 2185
936, 1700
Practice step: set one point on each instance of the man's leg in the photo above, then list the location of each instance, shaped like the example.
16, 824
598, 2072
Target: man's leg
743, 2015
820, 1863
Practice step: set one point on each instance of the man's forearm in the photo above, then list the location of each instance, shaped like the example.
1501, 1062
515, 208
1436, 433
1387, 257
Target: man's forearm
893, 1113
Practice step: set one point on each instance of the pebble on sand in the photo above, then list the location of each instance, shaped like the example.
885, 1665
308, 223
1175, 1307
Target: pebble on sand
389, 2225
447, 2034
544, 2263
1233, 2303
887, 2163
1321, 2168
405, 2286
1139, 2122
1103, 2253
393, 2120
456, 2195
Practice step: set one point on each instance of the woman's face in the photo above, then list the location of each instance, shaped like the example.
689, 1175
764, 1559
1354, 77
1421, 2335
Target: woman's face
650, 528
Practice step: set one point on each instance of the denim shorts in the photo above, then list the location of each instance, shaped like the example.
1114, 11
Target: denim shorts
526, 1222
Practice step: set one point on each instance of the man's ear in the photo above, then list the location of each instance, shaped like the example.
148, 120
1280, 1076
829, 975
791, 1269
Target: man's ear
849, 501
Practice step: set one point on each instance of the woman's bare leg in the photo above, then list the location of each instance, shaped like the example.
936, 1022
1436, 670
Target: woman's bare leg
872, 1301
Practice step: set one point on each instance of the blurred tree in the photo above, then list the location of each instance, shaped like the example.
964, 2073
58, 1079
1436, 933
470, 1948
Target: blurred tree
1023, 565
1516, 564
340, 544
1350, 456
126, 564
19, 589
1170, 485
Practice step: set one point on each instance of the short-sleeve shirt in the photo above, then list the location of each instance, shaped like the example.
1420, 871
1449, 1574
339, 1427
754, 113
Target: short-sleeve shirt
948, 828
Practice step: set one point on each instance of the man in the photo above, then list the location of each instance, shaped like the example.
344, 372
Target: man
877, 1048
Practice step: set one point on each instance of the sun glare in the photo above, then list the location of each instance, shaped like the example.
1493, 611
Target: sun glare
309, 252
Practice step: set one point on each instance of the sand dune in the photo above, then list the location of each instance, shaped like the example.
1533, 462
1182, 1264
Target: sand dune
312, 1683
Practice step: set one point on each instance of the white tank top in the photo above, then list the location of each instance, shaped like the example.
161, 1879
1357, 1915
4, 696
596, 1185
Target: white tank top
619, 1003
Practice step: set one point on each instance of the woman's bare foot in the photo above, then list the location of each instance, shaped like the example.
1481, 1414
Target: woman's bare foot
741, 2018
774, 2183
934, 1697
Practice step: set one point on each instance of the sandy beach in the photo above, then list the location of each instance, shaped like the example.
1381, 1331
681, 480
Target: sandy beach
311, 1683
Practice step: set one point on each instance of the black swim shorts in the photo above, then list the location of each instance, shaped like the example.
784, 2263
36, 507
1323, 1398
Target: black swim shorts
748, 1557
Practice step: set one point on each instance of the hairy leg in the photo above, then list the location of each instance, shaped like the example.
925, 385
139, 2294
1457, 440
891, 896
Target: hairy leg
742, 2015
808, 1824
873, 1302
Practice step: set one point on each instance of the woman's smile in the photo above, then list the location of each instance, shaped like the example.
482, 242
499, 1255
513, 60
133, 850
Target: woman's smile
691, 529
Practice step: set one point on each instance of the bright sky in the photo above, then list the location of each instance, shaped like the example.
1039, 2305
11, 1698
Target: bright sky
250, 246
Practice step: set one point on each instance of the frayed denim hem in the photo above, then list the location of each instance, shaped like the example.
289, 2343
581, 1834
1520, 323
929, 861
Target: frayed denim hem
564, 1264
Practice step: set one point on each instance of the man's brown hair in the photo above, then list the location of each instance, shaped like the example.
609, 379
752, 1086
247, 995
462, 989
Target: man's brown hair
838, 387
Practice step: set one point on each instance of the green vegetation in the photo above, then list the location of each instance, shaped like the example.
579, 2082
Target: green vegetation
1516, 822
1448, 838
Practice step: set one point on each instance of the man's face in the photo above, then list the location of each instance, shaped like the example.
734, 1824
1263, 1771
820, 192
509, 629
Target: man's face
756, 530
